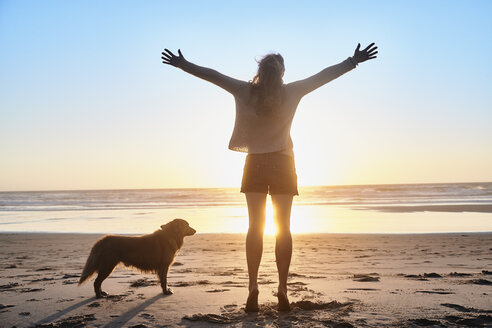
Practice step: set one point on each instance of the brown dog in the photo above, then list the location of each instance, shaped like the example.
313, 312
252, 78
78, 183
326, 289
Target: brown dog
150, 253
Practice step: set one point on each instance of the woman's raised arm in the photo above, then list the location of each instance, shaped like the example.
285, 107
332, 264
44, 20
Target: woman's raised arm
227, 83
303, 87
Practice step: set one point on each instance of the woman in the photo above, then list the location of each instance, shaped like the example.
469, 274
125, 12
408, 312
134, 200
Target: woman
265, 108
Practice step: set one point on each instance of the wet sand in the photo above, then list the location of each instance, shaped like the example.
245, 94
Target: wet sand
336, 280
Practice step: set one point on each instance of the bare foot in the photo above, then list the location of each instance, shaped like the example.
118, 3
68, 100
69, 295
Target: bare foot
283, 300
252, 302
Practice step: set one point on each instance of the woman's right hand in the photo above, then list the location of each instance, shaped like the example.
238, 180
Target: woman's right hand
171, 59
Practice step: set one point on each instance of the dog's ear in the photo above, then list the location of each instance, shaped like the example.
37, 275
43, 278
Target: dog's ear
166, 226
169, 225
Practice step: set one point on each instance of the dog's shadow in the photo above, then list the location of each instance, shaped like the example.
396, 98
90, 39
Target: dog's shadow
61, 313
121, 320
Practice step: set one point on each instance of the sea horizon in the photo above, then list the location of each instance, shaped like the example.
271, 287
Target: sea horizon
238, 187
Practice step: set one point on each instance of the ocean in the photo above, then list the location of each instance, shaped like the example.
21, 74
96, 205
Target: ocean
395, 208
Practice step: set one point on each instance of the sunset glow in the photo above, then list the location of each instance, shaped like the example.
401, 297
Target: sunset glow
98, 110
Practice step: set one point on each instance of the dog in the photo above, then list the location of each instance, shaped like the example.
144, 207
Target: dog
149, 253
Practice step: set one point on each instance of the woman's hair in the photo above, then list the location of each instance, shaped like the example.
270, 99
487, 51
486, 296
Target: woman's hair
266, 86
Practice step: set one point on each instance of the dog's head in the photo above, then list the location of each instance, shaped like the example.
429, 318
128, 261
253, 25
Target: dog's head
180, 227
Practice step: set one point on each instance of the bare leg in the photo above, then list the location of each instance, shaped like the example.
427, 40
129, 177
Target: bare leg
282, 205
254, 244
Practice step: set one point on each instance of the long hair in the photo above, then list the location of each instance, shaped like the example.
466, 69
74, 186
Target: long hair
266, 86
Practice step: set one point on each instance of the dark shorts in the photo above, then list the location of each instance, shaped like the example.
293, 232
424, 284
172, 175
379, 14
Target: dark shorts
273, 173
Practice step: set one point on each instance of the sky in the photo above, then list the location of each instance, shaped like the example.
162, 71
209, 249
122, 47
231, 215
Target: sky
85, 102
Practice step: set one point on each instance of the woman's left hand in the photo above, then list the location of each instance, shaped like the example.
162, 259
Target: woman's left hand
368, 53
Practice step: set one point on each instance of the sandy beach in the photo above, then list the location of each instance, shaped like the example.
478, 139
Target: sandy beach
336, 280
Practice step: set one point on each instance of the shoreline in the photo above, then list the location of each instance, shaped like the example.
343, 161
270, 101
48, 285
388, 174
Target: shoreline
266, 234
448, 208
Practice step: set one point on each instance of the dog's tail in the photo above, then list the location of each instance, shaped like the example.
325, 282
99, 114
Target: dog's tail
90, 265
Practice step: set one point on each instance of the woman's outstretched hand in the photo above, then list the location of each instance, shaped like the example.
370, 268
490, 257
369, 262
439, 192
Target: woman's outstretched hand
171, 59
368, 53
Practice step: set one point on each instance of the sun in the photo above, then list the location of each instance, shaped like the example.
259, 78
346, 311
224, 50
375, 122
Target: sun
270, 228
296, 222
303, 219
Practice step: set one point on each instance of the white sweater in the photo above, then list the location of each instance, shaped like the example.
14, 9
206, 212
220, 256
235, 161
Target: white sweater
255, 134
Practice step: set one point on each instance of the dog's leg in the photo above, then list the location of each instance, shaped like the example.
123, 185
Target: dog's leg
97, 285
103, 273
163, 279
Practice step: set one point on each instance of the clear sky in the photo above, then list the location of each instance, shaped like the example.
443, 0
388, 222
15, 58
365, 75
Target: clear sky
85, 102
